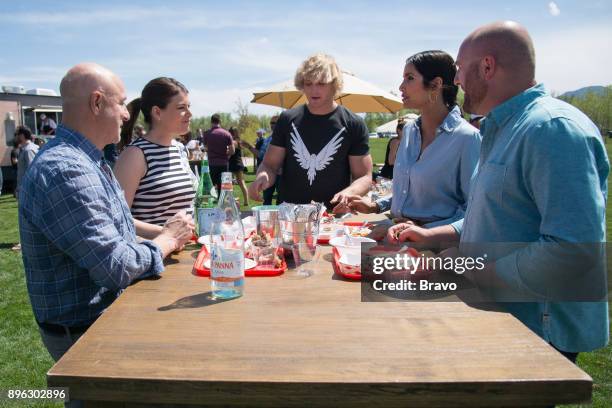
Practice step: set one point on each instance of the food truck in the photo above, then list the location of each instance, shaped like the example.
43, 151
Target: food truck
21, 107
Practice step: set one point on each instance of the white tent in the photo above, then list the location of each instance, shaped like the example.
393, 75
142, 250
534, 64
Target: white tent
390, 127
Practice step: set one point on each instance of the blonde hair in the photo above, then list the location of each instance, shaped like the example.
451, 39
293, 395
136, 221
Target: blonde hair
319, 68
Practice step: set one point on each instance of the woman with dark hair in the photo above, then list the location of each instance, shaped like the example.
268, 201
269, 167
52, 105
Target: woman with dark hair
387, 170
236, 166
153, 173
439, 152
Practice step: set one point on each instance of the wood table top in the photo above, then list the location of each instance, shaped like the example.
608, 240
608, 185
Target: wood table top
309, 342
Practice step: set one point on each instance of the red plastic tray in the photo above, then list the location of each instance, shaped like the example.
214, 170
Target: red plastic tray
346, 271
200, 270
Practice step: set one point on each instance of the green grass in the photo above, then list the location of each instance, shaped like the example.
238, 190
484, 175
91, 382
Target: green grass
24, 360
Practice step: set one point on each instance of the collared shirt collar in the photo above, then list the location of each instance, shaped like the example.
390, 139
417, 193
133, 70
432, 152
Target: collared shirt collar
450, 122
78, 140
501, 113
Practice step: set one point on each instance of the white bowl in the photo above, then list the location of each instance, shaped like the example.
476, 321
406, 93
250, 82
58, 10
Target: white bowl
350, 253
355, 242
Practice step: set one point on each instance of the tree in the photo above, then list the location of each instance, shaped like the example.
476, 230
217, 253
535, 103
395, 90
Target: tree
598, 107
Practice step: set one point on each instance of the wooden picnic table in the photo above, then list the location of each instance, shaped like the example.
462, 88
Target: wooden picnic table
311, 342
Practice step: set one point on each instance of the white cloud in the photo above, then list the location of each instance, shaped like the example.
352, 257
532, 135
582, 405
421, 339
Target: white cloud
553, 9
205, 101
38, 76
570, 59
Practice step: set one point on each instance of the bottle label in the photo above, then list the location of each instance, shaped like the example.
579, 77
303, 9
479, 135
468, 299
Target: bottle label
206, 218
226, 263
227, 186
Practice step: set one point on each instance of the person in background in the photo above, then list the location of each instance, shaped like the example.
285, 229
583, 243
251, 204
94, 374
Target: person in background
258, 143
220, 147
192, 145
27, 152
23, 136
110, 154
268, 193
439, 152
154, 174
47, 125
128, 138
139, 131
236, 166
542, 181
387, 170
79, 246
475, 120
321, 147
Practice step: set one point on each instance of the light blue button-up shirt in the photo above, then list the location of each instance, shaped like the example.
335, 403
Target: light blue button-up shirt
434, 187
542, 179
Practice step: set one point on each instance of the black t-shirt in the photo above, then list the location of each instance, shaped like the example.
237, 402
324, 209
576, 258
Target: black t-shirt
317, 152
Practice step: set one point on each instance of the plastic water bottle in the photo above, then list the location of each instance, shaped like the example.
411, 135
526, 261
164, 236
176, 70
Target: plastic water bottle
227, 245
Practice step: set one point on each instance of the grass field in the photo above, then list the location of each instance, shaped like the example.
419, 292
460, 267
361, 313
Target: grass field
24, 360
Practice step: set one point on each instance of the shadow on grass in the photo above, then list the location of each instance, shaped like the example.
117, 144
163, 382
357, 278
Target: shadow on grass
7, 245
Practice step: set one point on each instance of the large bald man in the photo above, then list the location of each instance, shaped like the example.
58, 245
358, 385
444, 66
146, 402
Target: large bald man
77, 235
542, 181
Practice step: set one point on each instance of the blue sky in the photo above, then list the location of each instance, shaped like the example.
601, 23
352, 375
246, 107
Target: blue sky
225, 50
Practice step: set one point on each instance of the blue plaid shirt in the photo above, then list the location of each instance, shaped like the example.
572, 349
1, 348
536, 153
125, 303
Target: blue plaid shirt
77, 235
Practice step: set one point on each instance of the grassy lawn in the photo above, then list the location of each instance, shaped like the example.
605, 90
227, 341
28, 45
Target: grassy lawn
25, 360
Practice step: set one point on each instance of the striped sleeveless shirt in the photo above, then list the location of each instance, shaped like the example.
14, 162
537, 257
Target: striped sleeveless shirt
167, 186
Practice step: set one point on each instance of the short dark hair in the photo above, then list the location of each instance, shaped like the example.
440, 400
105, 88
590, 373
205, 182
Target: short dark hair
215, 119
25, 131
433, 64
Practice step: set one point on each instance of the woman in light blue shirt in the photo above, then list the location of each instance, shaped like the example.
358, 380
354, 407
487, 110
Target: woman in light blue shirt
439, 151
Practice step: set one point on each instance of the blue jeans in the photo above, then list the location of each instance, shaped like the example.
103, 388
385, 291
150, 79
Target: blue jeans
57, 345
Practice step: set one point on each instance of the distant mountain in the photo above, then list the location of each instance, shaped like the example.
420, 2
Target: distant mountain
579, 93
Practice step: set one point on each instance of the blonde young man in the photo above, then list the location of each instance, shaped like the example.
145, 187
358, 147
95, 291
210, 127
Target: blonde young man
321, 147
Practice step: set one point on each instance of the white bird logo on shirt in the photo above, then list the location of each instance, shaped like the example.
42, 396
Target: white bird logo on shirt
314, 162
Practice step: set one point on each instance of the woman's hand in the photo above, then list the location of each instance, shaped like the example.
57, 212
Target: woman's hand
407, 231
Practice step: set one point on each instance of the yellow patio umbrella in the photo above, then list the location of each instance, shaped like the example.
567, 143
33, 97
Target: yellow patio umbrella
357, 95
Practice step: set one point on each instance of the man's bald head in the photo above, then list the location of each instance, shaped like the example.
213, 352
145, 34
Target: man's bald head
509, 43
93, 100
82, 80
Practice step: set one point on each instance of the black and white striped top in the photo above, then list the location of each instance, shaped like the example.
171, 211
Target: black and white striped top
166, 188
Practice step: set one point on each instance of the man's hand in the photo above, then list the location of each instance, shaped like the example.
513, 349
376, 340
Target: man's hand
257, 186
361, 204
341, 200
407, 231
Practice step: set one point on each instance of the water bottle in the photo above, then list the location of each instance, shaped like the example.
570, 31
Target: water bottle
227, 245
204, 200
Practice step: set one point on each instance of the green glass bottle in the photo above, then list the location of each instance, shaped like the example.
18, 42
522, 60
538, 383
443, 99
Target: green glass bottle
205, 201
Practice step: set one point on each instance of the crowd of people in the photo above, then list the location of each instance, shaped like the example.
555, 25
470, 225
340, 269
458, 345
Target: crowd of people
501, 177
